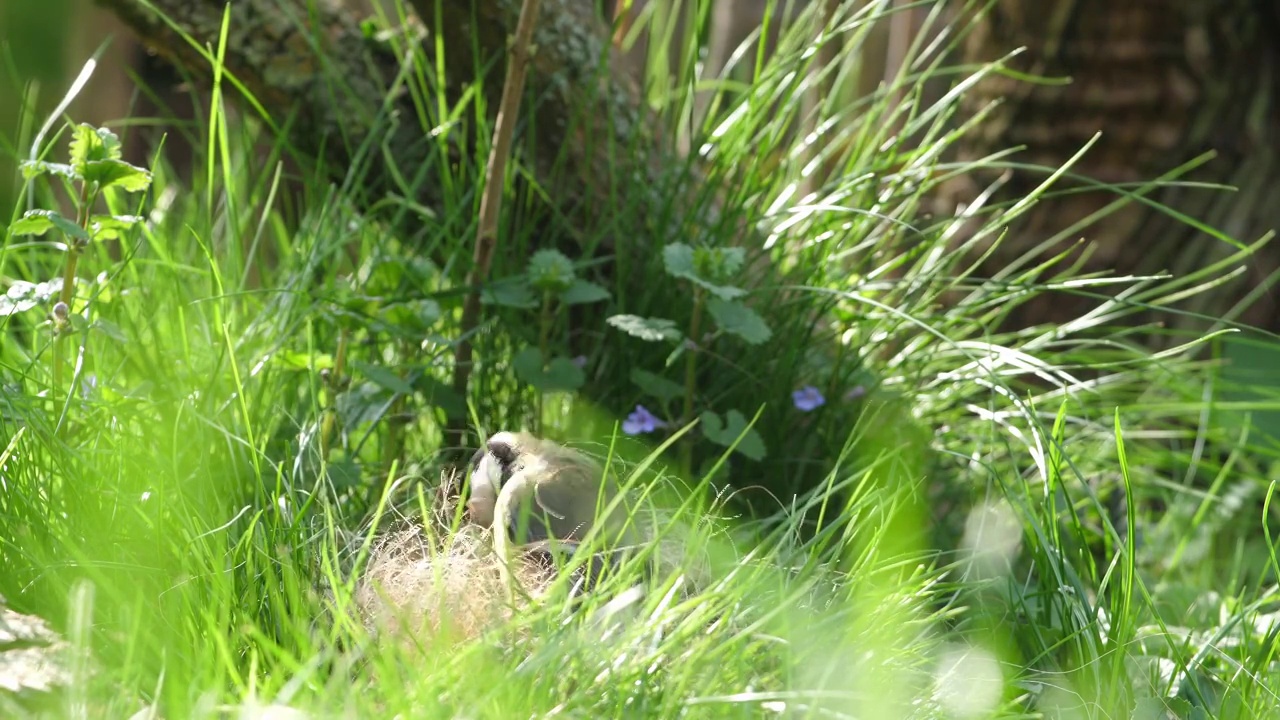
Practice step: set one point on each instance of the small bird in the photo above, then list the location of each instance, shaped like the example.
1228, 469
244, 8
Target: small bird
543, 497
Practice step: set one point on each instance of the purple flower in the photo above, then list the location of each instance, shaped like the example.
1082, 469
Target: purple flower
641, 421
580, 361
855, 392
807, 398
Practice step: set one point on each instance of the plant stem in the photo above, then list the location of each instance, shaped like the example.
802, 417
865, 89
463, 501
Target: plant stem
690, 376
68, 292
491, 201
544, 350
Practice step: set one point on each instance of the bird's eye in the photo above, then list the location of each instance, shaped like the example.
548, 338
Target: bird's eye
503, 451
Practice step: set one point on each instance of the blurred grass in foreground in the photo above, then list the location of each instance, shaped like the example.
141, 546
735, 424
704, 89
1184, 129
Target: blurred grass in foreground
176, 516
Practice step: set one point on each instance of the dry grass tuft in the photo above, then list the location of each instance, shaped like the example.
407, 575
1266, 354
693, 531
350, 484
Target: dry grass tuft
429, 585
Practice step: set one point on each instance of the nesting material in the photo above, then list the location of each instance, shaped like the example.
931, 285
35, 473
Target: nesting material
439, 587
427, 584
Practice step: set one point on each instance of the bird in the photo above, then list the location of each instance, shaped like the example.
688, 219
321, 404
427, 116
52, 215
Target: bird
545, 498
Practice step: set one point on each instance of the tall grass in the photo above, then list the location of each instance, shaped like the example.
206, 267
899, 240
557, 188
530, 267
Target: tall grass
1045, 522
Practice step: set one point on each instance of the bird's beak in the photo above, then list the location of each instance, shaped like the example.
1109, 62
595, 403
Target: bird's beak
485, 480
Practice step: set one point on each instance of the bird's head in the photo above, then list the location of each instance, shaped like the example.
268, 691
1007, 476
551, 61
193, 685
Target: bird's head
491, 466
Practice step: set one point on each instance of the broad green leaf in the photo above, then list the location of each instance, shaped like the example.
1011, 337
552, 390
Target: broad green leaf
738, 319
442, 396
528, 365
365, 402
378, 276
718, 263
36, 168
90, 144
727, 431
78, 322
683, 261
416, 314
509, 293
656, 385
383, 377
343, 472
582, 292
678, 260
32, 224
116, 173
111, 330
111, 227
550, 271
560, 374
23, 296
649, 329
38, 222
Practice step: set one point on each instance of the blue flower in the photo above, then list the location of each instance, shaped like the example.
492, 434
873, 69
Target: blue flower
855, 392
641, 421
580, 361
807, 398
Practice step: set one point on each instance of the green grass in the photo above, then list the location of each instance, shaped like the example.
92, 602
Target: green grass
1052, 522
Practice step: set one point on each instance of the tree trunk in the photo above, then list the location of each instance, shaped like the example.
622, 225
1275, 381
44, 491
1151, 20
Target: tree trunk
1163, 82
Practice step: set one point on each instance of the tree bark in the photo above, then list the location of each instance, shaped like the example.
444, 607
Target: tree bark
1163, 82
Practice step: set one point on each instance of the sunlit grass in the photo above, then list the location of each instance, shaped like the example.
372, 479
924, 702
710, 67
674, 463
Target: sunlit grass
1050, 520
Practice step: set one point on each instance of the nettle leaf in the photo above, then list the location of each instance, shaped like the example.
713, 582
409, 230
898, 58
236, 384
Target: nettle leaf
111, 227
23, 296
738, 319
727, 431
512, 293
648, 329
39, 222
90, 144
382, 377
78, 322
442, 396
416, 314
719, 263
366, 402
582, 292
35, 168
550, 271
379, 276
705, 267
116, 173
656, 385
678, 259
343, 473
111, 330
560, 374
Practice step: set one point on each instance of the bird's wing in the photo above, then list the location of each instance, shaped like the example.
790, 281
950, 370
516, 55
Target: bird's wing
570, 504
525, 521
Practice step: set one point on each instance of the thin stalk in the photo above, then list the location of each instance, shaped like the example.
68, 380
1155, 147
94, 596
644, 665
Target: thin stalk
544, 349
74, 248
691, 375
491, 200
